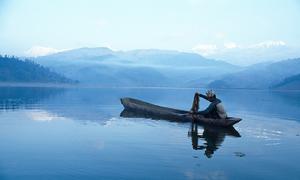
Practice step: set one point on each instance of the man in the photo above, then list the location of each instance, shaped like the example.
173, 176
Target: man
214, 110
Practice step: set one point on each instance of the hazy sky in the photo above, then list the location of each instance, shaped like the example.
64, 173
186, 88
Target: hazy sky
186, 25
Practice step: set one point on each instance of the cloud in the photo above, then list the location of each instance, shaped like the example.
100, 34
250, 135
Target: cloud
210, 49
230, 45
268, 44
248, 54
205, 49
213, 49
41, 51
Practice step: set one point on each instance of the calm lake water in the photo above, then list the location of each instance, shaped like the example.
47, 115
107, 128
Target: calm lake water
68, 133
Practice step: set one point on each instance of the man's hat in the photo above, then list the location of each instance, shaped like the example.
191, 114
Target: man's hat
210, 93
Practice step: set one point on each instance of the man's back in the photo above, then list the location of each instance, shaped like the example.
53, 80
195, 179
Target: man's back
221, 111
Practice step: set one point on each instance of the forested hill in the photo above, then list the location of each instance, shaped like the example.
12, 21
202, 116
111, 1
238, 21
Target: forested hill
291, 83
13, 69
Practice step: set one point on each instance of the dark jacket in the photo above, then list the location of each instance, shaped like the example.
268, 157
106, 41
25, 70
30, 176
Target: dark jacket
214, 110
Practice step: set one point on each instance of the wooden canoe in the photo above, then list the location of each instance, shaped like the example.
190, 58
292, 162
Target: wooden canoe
138, 108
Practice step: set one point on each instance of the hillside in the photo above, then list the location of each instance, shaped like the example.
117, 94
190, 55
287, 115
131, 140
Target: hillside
13, 69
259, 76
289, 83
135, 68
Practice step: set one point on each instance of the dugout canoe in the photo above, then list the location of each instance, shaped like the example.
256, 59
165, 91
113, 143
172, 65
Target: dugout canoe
137, 108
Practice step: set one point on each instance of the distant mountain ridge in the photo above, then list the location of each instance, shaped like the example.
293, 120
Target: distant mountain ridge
135, 68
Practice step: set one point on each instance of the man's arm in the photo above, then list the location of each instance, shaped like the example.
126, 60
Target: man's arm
203, 96
209, 108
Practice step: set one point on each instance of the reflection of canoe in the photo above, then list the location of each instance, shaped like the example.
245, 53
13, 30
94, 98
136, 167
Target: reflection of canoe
137, 108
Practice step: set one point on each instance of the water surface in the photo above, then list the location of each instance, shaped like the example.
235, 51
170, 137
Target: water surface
68, 133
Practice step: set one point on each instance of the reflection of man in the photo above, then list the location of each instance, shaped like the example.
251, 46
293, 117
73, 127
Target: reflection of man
214, 110
212, 138
213, 141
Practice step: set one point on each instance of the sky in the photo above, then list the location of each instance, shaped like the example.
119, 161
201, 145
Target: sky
37, 27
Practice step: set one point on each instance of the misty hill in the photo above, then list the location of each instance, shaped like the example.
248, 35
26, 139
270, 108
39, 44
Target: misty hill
135, 68
260, 76
291, 83
13, 69
86, 54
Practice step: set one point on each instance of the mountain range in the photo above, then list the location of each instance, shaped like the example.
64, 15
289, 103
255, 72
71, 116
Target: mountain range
165, 68
102, 66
